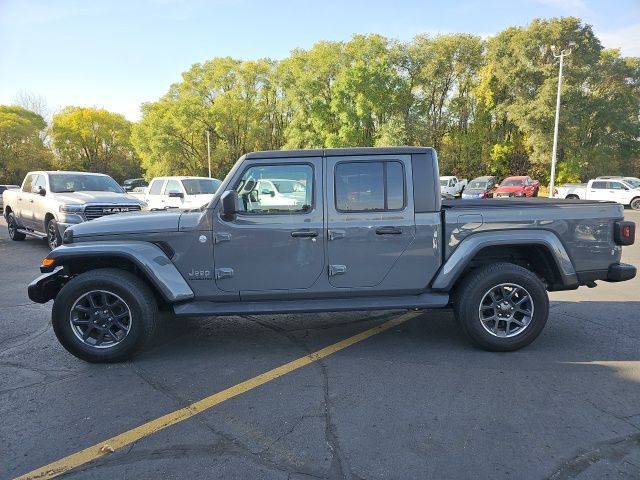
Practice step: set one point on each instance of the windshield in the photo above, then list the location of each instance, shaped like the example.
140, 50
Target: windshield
633, 182
79, 182
477, 184
198, 186
512, 183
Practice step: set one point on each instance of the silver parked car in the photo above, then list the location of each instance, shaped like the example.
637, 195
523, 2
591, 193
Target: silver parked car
49, 202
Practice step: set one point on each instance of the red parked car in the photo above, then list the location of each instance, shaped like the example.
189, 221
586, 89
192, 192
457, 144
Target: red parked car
521, 186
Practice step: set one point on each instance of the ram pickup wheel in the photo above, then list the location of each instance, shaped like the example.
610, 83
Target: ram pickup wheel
635, 203
12, 225
502, 307
53, 234
104, 315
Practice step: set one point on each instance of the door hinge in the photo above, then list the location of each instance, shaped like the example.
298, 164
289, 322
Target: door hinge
224, 273
335, 234
222, 237
337, 270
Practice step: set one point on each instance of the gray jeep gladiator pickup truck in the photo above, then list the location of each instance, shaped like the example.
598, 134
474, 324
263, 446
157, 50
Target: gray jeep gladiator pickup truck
348, 229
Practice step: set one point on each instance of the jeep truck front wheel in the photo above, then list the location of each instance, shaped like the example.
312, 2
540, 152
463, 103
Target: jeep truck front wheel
501, 307
104, 315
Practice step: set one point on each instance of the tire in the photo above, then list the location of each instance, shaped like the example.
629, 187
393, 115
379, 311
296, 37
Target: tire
573, 197
12, 225
503, 334
635, 203
79, 311
54, 239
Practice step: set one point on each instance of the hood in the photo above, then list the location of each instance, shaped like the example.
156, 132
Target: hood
95, 197
474, 191
510, 189
129, 223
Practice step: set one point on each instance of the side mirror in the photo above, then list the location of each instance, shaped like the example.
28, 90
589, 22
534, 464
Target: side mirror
229, 205
176, 194
39, 190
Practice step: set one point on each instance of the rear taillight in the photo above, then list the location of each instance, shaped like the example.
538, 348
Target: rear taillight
624, 233
555, 192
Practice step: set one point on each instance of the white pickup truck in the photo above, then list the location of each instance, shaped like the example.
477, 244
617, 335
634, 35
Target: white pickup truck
451, 185
612, 190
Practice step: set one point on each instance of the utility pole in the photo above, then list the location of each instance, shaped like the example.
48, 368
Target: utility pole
208, 130
561, 56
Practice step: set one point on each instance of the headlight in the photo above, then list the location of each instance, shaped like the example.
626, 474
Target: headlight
71, 208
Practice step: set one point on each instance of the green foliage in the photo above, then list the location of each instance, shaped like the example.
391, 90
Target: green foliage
486, 106
21, 143
88, 139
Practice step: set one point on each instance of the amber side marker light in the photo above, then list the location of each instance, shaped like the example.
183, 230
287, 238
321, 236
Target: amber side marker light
47, 262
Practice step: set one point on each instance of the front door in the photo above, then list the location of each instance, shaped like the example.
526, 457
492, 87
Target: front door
276, 242
370, 217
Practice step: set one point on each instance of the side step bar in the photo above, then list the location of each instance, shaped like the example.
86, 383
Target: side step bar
211, 309
31, 233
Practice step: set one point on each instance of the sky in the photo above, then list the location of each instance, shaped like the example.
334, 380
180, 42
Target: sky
117, 54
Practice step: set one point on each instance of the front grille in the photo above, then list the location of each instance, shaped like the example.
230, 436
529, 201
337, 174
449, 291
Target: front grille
91, 212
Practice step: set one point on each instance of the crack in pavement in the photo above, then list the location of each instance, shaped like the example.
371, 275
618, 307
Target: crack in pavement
339, 467
613, 450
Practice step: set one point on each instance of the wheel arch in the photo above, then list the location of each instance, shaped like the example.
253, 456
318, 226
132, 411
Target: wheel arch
540, 251
145, 260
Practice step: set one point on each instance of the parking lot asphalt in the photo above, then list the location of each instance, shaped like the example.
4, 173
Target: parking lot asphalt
413, 401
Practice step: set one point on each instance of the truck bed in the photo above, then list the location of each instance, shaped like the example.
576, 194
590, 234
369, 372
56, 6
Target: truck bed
584, 227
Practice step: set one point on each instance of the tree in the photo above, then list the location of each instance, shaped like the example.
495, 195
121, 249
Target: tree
239, 102
94, 140
21, 145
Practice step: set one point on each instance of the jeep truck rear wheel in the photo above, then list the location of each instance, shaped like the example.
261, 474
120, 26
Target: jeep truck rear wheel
104, 315
501, 307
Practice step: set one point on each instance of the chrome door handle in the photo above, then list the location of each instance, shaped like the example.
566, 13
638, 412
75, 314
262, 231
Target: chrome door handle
304, 233
388, 231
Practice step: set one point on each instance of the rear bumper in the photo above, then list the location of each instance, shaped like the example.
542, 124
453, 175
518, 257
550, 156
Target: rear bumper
620, 272
617, 272
45, 287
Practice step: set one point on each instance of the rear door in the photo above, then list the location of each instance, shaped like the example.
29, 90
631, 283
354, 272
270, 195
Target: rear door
277, 245
25, 201
598, 190
154, 195
369, 217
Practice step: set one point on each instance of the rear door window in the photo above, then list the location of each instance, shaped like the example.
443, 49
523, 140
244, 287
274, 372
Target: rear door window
599, 185
156, 187
28, 183
369, 186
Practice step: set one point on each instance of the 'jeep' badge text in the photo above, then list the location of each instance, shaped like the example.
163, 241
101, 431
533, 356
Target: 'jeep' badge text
199, 274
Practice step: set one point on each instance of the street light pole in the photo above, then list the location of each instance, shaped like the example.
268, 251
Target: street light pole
555, 129
209, 150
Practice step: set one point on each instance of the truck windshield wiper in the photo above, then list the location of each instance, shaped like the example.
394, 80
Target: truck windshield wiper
65, 191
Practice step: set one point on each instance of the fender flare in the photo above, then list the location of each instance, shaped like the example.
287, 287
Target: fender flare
149, 258
470, 246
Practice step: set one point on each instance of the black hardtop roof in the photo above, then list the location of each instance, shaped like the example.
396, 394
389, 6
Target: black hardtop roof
337, 152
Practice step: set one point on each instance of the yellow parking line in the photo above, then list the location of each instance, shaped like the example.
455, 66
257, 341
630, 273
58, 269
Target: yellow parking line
130, 436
